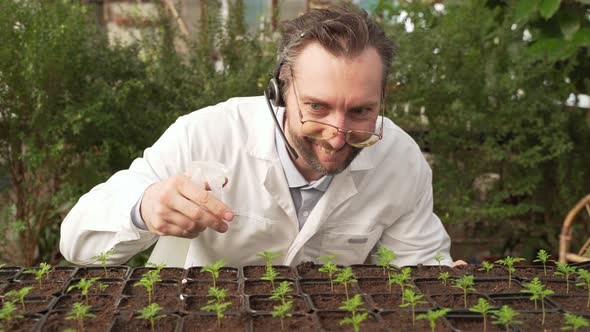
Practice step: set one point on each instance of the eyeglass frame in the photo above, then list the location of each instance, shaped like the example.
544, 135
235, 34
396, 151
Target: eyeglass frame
345, 131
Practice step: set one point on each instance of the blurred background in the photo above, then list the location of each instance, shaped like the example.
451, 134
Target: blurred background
494, 91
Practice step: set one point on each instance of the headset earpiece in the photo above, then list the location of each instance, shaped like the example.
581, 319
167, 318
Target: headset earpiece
274, 93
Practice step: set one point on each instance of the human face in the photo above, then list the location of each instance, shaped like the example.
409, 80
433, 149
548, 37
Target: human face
342, 92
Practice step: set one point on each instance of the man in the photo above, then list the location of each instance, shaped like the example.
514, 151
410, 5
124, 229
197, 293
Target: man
342, 179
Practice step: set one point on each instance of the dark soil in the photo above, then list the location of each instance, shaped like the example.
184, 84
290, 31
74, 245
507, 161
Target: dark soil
56, 322
98, 302
392, 302
430, 271
577, 304
135, 303
368, 271
26, 323
334, 302
262, 303
263, 287
496, 272
267, 323
401, 320
129, 322
195, 303
225, 273
458, 301
59, 273
378, 286
323, 287
496, 286
532, 322
113, 272
330, 321
430, 286
520, 302
201, 287
114, 287
46, 288
257, 271
309, 270
166, 287
530, 272
208, 323
473, 323
167, 273
561, 288
33, 305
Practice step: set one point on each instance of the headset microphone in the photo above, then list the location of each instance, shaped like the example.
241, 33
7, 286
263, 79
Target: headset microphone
271, 93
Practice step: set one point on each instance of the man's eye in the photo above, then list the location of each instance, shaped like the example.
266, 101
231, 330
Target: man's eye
315, 106
361, 111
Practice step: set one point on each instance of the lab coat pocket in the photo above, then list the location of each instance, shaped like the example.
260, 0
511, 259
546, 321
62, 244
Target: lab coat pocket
349, 248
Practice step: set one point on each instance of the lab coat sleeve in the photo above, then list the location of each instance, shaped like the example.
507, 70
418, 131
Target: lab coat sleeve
418, 235
101, 220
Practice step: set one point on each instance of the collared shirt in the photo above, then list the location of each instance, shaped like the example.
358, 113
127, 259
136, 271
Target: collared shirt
305, 194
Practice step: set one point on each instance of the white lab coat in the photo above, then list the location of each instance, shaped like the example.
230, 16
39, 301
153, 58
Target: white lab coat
383, 197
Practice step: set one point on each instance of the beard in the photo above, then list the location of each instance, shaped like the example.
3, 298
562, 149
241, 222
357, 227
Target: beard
304, 147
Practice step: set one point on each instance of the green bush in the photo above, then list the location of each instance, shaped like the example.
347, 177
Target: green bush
494, 108
74, 109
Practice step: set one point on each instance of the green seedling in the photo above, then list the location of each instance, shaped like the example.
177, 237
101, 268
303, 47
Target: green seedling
214, 269
271, 275
573, 322
151, 313
158, 267
565, 270
438, 257
84, 286
40, 273
357, 315
19, 295
583, 280
509, 263
482, 307
148, 280
402, 279
282, 292
80, 312
542, 257
444, 276
505, 316
217, 304
384, 258
9, 312
411, 299
538, 292
329, 267
345, 277
486, 266
433, 316
2, 265
466, 284
102, 257
282, 311
268, 257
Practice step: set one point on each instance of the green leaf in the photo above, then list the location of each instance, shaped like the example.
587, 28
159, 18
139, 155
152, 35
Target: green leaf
524, 8
552, 48
582, 37
569, 23
548, 8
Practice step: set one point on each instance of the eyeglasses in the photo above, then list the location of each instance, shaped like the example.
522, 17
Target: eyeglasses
322, 131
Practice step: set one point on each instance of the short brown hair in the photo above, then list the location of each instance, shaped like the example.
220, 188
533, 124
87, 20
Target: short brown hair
343, 31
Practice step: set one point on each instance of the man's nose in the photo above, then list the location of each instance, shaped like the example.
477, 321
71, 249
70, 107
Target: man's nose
338, 141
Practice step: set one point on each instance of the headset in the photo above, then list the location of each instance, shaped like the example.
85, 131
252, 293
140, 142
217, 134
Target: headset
274, 97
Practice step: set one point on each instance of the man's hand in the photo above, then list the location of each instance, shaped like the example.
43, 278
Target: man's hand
178, 207
459, 263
